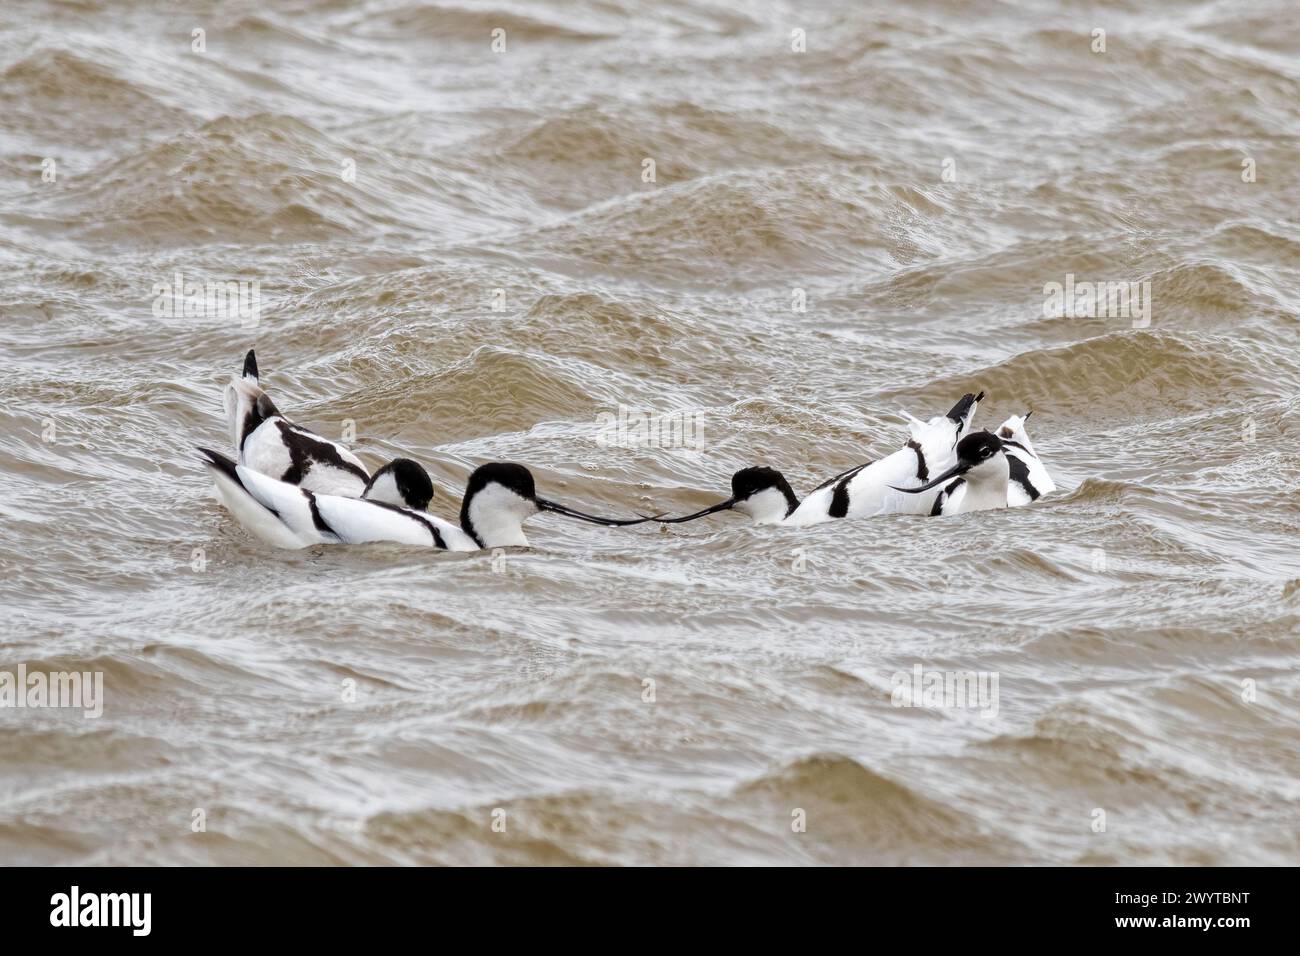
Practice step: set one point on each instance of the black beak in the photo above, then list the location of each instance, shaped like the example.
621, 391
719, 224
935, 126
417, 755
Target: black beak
720, 506
951, 473
583, 516
1026, 415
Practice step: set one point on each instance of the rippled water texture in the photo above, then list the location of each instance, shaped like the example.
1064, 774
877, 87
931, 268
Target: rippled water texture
462, 255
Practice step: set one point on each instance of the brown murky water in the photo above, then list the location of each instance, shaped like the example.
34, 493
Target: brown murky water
463, 256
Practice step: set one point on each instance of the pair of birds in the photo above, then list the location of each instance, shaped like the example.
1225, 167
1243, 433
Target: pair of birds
936, 472
293, 488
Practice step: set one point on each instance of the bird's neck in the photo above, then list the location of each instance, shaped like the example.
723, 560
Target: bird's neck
771, 506
492, 525
986, 486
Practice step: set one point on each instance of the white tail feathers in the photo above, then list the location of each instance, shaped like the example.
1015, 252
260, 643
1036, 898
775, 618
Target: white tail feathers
248, 511
240, 399
914, 424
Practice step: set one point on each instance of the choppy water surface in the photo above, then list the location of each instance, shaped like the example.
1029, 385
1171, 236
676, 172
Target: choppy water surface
458, 253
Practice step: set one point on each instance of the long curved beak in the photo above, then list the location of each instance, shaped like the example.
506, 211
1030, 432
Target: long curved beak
560, 509
951, 473
720, 506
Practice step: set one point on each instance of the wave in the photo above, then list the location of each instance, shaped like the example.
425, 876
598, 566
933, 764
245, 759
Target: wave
456, 837
260, 29
1129, 737
853, 815
59, 92
1199, 294
439, 21
1210, 295
1134, 375
256, 179
490, 391
756, 225
685, 140
874, 819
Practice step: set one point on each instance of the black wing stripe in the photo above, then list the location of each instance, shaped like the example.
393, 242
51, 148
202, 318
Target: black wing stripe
228, 468
944, 496
839, 502
840, 499
1020, 475
842, 475
922, 469
252, 419
321, 524
305, 450
438, 541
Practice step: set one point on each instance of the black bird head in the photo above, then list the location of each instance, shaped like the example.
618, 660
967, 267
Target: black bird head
748, 488
504, 491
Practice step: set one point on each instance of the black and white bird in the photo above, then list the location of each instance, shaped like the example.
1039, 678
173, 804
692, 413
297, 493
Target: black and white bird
765, 496
759, 492
979, 480
269, 443
869, 489
499, 498
1029, 477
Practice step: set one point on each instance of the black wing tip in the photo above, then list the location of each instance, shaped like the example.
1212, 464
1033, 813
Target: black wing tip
217, 460
964, 404
250, 365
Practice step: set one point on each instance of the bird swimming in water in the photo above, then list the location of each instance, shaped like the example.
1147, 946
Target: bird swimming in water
764, 495
499, 498
868, 489
268, 442
977, 482
1029, 477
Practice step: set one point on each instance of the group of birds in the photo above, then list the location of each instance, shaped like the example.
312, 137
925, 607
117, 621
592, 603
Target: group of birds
293, 488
